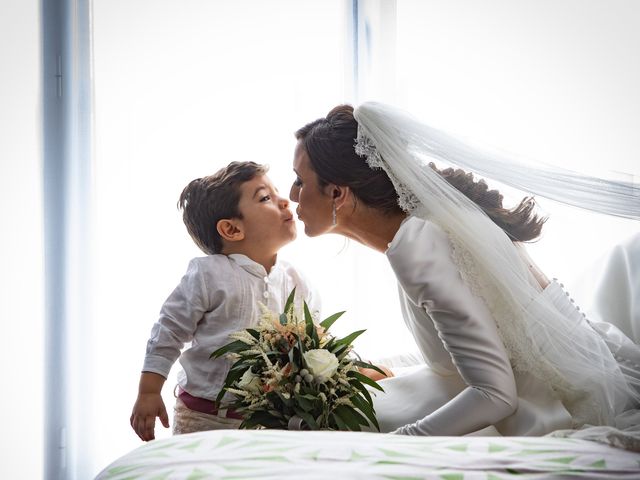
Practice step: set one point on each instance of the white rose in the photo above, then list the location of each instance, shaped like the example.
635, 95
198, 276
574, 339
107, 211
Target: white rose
249, 382
321, 363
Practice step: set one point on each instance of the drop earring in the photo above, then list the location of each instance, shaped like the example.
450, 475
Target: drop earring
333, 215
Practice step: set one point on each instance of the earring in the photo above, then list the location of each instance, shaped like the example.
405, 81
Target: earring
333, 215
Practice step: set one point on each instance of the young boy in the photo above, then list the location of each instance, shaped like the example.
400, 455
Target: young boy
238, 219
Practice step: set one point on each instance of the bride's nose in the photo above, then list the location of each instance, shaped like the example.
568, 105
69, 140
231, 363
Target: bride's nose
283, 202
294, 193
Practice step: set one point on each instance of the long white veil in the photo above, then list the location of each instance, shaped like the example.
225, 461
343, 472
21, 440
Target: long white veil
564, 351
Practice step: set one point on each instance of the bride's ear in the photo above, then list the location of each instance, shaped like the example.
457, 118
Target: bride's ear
340, 194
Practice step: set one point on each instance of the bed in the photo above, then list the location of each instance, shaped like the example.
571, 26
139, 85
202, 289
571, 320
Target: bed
277, 454
274, 454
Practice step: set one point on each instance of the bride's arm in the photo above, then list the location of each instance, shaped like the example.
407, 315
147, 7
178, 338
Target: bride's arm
375, 375
424, 267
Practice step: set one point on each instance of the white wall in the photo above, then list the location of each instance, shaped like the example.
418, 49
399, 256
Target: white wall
21, 245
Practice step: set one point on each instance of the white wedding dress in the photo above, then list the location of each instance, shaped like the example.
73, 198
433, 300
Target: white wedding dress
471, 381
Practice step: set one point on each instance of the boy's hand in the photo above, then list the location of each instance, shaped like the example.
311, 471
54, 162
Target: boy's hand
148, 406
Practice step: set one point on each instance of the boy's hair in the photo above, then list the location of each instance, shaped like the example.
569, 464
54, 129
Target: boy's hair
207, 200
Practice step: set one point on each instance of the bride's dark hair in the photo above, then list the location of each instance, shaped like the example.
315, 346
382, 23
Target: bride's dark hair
330, 141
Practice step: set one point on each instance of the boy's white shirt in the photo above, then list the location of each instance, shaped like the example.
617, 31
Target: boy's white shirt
218, 295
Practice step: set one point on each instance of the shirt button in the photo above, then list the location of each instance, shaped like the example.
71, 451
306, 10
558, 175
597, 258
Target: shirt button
265, 294
266, 279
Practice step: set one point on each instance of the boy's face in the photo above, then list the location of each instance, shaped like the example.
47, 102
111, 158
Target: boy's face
267, 222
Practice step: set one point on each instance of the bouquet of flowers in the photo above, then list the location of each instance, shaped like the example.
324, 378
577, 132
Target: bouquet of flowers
290, 373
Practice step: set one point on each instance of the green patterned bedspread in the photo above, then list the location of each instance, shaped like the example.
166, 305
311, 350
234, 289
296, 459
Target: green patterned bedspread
274, 454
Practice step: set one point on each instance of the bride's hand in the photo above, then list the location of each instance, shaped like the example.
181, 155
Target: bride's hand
374, 375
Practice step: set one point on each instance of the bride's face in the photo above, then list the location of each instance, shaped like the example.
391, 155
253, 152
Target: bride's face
314, 205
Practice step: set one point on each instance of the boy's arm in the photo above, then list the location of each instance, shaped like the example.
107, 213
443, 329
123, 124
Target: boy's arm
148, 406
178, 321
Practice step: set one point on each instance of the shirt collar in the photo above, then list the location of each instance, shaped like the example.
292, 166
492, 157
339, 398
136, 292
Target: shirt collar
254, 268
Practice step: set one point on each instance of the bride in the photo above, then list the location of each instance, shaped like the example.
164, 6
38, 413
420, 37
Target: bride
506, 348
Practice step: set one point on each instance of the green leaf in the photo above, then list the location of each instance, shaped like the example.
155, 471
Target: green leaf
350, 338
292, 356
253, 332
339, 422
365, 408
236, 371
306, 402
240, 364
364, 379
327, 322
362, 389
289, 303
261, 418
358, 416
342, 351
347, 412
275, 400
302, 349
347, 417
307, 418
272, 353
295, 357
236, 346
288, 402
362, 364
308, 390
311, 327
283, 319
276, 414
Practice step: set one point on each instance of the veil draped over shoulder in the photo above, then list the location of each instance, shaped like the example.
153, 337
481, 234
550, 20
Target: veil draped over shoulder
562, 350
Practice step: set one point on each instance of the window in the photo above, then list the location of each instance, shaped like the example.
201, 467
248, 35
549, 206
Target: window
552, 81
181, 88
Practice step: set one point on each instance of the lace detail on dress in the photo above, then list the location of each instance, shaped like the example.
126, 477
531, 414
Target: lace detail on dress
524, 353
365, 147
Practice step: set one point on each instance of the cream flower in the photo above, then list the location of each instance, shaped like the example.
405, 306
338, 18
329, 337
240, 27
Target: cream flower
322, 364
249, 382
